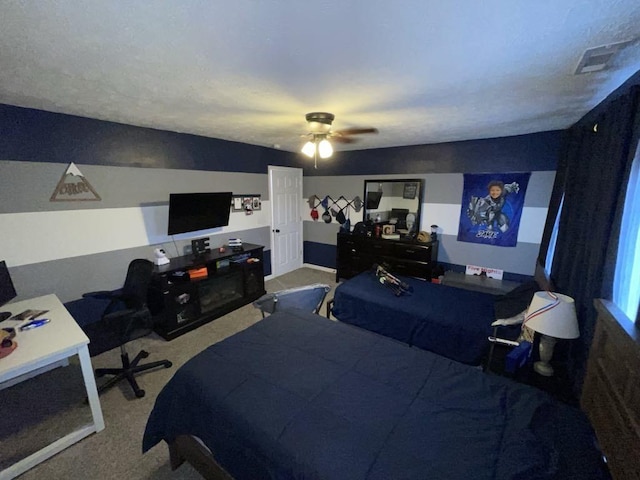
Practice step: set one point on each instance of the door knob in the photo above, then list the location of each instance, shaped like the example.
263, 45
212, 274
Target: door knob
276, 231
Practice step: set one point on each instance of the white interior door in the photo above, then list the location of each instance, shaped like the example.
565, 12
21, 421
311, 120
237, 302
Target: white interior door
285, 194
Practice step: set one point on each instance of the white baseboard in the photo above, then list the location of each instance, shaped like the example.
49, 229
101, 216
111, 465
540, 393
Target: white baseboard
307, 265
319, 267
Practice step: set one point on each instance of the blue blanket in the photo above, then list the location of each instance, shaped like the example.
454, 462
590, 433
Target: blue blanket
300, 396
445, 320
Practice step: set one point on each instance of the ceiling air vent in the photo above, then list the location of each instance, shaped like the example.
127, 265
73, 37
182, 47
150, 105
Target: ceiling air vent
598, 58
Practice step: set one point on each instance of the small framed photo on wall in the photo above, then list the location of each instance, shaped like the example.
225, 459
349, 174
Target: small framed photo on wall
410, 190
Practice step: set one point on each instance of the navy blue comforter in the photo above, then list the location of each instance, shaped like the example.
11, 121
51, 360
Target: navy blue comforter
445, 320
300, 396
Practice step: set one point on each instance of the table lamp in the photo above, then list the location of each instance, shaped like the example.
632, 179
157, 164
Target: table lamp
553, 315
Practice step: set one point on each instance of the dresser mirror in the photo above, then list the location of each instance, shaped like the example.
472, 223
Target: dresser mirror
397, 203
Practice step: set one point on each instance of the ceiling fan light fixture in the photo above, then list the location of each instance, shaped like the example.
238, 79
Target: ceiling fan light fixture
320, 117
309, 149
325, 150
320, 132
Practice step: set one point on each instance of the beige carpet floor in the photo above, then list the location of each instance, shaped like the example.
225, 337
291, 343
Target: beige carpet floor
37, 411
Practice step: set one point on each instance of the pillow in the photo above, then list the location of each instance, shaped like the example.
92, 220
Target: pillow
512, 303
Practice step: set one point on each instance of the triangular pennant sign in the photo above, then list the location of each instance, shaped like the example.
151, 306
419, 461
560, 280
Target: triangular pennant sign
73, 187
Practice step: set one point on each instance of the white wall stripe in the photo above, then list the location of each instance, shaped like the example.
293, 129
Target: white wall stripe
33, 237
447, 217
532, 224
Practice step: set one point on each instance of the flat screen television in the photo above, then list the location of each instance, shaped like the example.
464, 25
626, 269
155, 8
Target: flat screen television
189, 212
373, 200
7, 290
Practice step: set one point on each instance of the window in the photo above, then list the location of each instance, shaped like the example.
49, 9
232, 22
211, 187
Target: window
626, 285
552, 241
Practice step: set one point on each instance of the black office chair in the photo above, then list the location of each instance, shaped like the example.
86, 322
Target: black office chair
125, 318
308, 298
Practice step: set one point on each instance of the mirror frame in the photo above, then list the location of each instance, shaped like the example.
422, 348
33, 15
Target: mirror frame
419, 194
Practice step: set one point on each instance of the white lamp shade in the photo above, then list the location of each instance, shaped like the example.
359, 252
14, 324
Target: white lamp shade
553, 314
309, 149
325, 150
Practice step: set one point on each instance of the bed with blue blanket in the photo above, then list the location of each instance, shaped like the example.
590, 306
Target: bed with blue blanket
298, 396
449, 321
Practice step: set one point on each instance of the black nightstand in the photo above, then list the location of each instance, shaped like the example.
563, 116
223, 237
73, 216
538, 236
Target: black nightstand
558, 386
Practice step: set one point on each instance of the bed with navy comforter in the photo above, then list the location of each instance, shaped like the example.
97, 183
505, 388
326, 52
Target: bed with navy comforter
299, 396
449, 321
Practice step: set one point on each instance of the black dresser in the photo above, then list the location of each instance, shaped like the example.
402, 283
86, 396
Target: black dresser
357, 253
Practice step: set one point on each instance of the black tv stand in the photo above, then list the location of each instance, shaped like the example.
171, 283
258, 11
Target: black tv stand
191, 290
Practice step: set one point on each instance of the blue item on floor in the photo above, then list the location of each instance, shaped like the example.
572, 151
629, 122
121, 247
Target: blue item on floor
517, 357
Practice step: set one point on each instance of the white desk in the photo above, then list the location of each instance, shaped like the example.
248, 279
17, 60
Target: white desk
39, 350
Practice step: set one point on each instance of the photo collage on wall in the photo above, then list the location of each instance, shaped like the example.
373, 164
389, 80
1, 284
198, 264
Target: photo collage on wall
491, 208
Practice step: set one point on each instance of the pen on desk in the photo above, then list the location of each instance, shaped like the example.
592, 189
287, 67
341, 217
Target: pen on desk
34, 324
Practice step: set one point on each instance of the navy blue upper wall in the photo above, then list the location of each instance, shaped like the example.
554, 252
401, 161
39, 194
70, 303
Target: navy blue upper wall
535, 151
37, 136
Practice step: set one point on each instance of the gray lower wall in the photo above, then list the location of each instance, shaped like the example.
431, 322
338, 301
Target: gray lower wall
69, 278
35, 232
74, 246
28, 186
441, 206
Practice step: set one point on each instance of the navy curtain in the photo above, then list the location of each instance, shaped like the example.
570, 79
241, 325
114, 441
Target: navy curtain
593, 173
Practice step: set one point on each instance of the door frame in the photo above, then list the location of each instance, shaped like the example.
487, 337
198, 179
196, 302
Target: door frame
274, 253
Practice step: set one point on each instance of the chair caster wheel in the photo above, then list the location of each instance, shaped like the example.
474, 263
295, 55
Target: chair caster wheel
144, 354
140, 393
168, 365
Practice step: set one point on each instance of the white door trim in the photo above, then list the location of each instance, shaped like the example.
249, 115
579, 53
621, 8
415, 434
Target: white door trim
286, 253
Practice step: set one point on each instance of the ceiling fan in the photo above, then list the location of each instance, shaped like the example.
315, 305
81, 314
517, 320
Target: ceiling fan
320, 133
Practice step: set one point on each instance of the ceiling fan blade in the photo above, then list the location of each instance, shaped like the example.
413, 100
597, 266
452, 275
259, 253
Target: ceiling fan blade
354, 131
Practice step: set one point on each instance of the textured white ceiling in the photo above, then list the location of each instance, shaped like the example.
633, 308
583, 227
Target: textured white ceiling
421, 71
